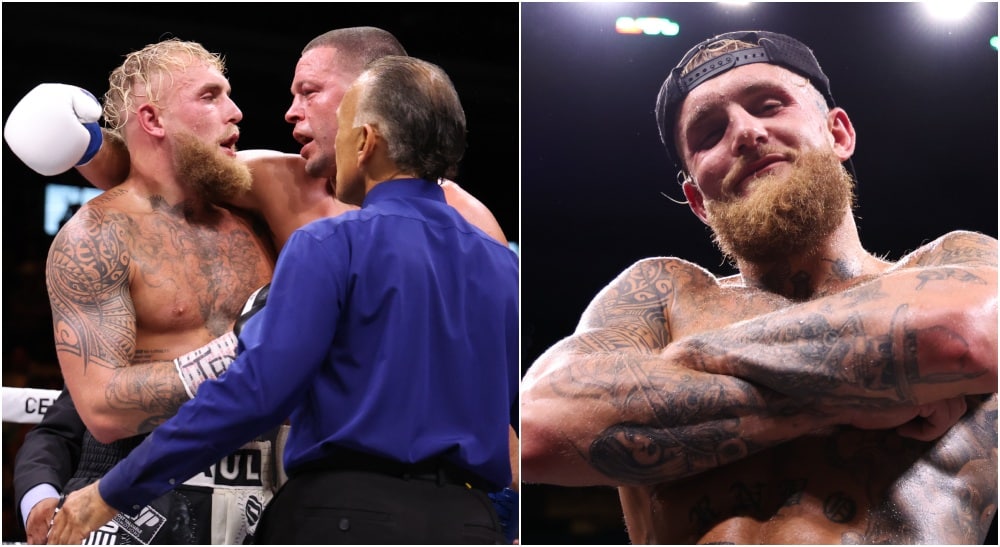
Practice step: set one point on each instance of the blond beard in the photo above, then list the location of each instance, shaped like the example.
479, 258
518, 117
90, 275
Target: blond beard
211, 175
784, 216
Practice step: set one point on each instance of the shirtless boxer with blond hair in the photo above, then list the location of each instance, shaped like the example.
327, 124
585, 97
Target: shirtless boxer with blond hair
282, 193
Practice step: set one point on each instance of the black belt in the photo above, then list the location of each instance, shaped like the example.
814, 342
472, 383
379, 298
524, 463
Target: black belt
436, 469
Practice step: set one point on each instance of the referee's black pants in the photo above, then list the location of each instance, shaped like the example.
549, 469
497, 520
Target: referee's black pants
332, 507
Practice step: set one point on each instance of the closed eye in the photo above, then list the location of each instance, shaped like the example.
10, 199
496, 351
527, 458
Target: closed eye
769, 108
707, 132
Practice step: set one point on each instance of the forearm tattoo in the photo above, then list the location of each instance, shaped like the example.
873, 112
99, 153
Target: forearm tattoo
150, 389
674, 421
866, 357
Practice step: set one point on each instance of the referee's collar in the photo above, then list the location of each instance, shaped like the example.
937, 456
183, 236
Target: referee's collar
404, 188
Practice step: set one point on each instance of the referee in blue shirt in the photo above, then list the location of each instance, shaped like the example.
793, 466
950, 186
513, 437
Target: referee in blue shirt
390, 338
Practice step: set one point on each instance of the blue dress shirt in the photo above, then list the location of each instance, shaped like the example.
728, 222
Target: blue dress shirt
390, 330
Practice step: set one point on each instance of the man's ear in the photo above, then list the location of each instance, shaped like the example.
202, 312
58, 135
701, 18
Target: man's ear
149, 120
696, 200
367, 143
842, 133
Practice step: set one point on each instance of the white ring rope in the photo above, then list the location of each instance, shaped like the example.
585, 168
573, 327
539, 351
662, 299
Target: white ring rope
27, 405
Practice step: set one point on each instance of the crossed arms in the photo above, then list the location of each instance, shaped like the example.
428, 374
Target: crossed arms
623, 402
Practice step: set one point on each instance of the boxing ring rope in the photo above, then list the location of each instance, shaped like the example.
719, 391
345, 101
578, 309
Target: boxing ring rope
26, 405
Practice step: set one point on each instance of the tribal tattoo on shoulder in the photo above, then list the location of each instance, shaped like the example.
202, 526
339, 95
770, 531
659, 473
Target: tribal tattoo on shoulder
87, 275
631, 311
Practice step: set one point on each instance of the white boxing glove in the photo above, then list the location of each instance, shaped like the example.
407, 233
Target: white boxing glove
54, 127
207, 362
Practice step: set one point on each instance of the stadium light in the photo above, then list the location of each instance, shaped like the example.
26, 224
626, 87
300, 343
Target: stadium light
646, 25
949, 10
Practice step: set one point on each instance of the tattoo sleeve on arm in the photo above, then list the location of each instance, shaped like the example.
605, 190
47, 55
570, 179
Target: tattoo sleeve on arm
678, 422
665, 421
914, 337
94, 321
151, 389
87, 274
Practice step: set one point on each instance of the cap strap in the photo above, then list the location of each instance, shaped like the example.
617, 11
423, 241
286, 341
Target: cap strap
713, 67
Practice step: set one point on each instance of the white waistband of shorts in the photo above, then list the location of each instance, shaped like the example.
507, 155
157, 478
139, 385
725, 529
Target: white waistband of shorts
249, 467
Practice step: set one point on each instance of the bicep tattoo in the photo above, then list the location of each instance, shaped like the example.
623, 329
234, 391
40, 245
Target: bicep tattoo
87, 274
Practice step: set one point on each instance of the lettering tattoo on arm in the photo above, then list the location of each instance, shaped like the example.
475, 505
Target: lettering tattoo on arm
959, 248
941, 274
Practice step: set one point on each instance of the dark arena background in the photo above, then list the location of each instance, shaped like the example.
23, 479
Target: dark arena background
76, 43
920, 90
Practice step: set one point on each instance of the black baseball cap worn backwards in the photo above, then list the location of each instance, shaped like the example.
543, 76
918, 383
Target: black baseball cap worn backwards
773, 48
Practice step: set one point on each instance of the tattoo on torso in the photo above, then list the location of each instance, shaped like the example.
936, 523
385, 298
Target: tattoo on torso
141, 287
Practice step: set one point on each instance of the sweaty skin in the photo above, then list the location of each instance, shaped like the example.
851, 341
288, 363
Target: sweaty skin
132, 280
690, 450
823, 395
151, 269
282, 193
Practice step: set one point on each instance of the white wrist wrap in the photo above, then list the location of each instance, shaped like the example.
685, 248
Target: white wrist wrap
206, 363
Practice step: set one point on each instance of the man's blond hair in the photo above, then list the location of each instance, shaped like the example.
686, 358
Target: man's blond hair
146, 71
714, 50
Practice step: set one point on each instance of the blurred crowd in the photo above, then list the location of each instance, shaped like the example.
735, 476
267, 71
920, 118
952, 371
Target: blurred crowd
29, 360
